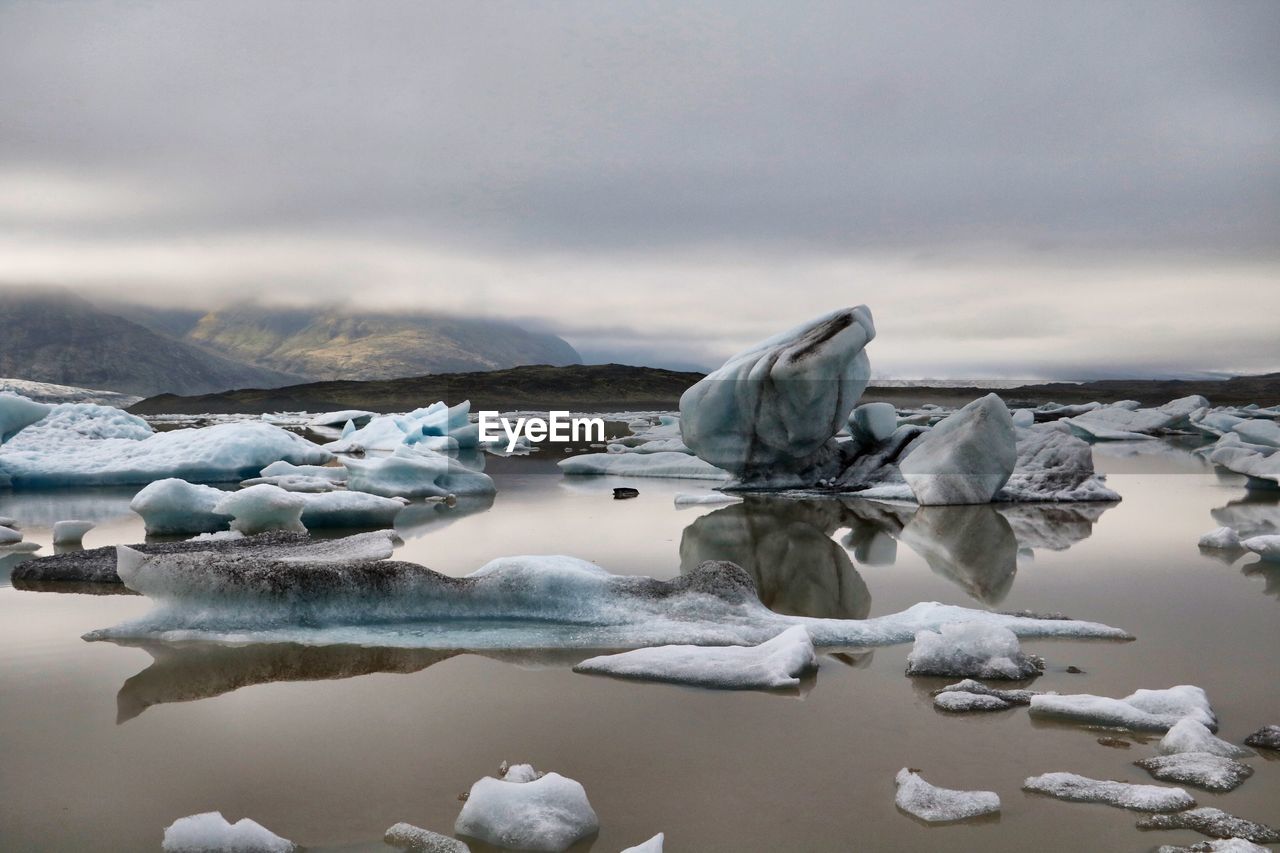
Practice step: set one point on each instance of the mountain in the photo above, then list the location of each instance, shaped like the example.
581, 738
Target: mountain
56, 337
337, 343
579, 387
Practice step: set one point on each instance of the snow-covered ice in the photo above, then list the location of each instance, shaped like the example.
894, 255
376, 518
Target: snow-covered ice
671, 464
775, 663
931, 803
548, 813
971, 650
1200, 769
406, 836
966, 458
414, 473
1142, 710
1214, 823
71, 531
1223, 538
260, 509
211, 833
1188, 735
1125, 795
1267, 547
769, 413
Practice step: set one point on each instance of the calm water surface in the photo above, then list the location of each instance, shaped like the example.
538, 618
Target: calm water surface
103, 745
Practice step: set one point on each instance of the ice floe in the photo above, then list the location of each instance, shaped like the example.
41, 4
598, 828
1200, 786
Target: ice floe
1109, 423
210, 832
71, 531
527, 811
1214, 823
406, 836
970, 695
260, 509
17, 413
931, 803
173, 506
1223, 538
653, 845
1267, 547
670, 464
1227, 845
1188, 735
1142, 710
415, 472
1081, 789
774, 664
971, 649
359, 417
1267, 737
966, 458
434, 427
1200, 769
512, 602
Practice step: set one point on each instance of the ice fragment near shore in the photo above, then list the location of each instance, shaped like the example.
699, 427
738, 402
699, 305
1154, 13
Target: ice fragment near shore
1214, 823
211, 833
1142, 710
1081, 789
172, 506
774, 664
931, 803
971, 649
548, 813
966, 458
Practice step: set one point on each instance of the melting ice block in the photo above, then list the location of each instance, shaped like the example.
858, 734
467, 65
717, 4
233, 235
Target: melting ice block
1201, 769
1142, 710
415, 473
204, 833
1267, 547
872, 423
1267, 737
1188, 735
966, 458
438, 427
406, 836
547, 813
1082, 789
71, 531
1221, 537
172, 506
775, 663
653, 845
259, 509
9, 536
971, 649
970, 695
1226, 845
768, 414
667, 463
1212, 822
929, 802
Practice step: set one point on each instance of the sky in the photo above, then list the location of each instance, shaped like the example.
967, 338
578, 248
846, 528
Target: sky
1016, 189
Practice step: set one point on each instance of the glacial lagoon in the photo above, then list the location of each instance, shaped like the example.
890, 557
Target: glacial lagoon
108, 742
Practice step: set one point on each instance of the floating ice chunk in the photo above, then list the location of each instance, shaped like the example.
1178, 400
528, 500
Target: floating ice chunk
414, 473
356, 416
773, 664
1023, 418
929, 802
1266, 547
406, 836
770, 412
971, 649
1125, 795
9, 536
665, 464
1228, 845
260, 509
1054, 465
218, 536
1201, 769
970, 695
211, 833
337, 474
349, 509
437, 427
17, 413
1120, 423
1142, 710
708, 499
1214, 823
71, 532
1188, 735
546, 814
175, 506
1260, 464
1267, 737
653, 845
1221, 537
872, 423
966, 458
1259, 432
295, 483
89, 452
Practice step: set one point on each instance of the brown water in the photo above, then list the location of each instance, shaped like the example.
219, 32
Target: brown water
102, 745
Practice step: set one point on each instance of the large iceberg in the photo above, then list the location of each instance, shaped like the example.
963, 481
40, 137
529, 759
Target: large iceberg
935, 805
769, 414
966, 458
526, 810
774, 664
17, 413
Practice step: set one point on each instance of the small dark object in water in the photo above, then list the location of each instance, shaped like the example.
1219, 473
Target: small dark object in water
1114, 742
1267, 737
1075, 670
624, 492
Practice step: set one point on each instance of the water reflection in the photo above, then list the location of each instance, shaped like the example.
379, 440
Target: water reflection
418, 519
786, 546
44, 507
1255, 514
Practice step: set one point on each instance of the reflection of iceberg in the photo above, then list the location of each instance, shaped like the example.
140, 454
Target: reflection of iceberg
1052, 527
786, 547
971, 545
44, 508
418, 519
1256, 514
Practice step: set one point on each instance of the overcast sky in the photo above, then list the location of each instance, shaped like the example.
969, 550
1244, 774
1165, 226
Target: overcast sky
1016, 189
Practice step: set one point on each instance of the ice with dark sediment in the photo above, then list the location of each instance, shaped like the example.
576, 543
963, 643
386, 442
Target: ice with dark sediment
774, 664
1125, 795
1214, 823
415, 839
940, 805
1267, 737
970, 695
1142, 710
1199, 769
1054, 465
1225, 845
512, 602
